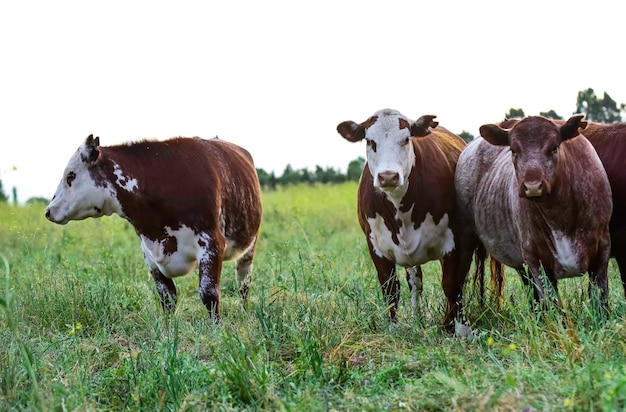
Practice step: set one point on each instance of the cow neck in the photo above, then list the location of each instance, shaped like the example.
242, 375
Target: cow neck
554, 210
147, 213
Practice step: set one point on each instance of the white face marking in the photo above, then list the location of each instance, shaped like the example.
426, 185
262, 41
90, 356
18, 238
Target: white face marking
565, 253
394, 150
183, 260
428, 242
78, 197
125, 182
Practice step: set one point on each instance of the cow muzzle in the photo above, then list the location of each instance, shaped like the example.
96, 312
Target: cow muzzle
388, 179
535, 188
55, 218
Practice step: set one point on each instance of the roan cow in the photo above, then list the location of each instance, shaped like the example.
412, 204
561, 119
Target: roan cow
536, 195
192, 202
406, 202
609, 140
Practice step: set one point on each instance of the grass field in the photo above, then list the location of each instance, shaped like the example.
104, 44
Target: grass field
81, 327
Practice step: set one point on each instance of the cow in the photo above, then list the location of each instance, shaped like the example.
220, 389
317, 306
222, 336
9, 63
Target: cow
406, 203
192, 202
536, 196
609, 140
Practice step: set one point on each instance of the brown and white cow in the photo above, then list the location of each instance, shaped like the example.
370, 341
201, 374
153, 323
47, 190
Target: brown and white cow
536, 195
406, 201
193, 203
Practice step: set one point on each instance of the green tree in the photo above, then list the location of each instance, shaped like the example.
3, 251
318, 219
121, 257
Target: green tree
551, 114
273, 181
290, 176
355, 168
264, 177
604, 110
329, 175
514, 114
467, 136
3, 196
305, 177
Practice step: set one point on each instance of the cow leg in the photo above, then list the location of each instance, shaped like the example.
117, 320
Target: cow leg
455, 267
621, 264
598, 271
452, 281
618, 245
414, 279
244, 272
479, 272
166, 289
210, 272
497, 280
389, 283
529, 286
541, 289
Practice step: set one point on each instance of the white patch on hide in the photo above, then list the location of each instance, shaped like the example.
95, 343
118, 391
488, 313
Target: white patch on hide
207, 285
180, 262
122, 181
419, 245
566, 253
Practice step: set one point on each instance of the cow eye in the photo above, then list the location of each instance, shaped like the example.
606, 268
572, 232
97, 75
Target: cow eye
406, 141
371, 144
70, 178
553, 152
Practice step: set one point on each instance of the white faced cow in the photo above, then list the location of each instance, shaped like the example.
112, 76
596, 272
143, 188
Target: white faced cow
406, 201
536, 194
192, 202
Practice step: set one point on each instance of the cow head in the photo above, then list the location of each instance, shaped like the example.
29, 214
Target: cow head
534, 143
390, 155
78, 195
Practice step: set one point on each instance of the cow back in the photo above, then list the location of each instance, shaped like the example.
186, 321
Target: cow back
196, 182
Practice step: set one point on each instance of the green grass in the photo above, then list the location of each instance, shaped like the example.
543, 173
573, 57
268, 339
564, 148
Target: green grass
81, 327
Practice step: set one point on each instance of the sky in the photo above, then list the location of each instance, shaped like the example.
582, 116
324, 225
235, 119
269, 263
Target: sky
277, 77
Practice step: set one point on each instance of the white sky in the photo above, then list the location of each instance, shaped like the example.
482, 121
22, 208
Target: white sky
278, 76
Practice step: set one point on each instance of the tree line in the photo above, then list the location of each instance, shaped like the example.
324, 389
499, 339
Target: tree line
596, 109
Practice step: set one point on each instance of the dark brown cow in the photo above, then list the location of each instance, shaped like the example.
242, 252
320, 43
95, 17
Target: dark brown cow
536, 194
609, 140
192, 202
406, 201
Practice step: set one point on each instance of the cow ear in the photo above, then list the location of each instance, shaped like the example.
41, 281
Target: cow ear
494, 134
570, 128
421, 127
508, 123
91, 149
351, 131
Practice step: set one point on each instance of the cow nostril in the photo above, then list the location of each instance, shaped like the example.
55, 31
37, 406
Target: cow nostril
47, 213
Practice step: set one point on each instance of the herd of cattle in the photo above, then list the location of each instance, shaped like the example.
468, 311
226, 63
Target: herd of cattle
544, 197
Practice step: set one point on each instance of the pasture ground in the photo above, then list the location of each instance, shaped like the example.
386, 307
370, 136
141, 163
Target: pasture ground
81, 328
